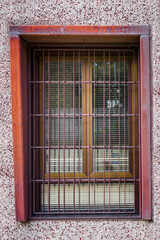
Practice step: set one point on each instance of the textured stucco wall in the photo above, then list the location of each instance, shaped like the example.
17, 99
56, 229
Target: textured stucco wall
77, 12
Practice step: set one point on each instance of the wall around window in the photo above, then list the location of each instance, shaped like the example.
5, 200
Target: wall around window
94, 12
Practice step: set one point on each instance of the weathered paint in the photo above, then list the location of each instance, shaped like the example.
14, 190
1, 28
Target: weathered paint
17, 83
145, 126
80, 30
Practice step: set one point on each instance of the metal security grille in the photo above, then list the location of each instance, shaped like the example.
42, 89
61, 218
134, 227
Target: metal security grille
84, 132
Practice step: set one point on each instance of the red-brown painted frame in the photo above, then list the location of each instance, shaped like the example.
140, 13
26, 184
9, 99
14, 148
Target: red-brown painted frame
19, 78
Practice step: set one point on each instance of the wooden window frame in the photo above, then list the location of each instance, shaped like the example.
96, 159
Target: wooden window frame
20, 37
85, 110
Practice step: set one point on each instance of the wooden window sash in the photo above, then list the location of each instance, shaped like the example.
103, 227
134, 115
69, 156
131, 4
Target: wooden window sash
87, 120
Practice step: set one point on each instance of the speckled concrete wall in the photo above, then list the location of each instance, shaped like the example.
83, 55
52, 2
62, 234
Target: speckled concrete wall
77, 12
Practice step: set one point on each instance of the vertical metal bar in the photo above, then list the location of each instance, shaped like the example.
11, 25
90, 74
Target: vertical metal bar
124, 61
43, 172
104, 124
139, 139
109, 130
134, 79
29, 135
119, 120
49, 105
89, 135
64, 130
94, 127
34, 130
73, 131
58, 135
79, 118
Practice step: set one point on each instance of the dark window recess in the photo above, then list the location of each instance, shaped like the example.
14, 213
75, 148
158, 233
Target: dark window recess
84, 124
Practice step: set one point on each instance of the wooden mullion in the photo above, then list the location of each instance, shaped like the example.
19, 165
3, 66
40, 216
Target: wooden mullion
84, 118
90, 117
88, 110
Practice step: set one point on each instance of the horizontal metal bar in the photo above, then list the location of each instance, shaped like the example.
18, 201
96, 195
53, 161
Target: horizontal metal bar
82, 114
71, 147
84, 212
85, 180
85, 82
79, 46
84, 50
88, 217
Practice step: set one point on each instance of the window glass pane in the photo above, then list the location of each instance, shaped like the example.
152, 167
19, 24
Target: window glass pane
68, 131
111, 131
69, 164
113, 160
73, 136
116, 197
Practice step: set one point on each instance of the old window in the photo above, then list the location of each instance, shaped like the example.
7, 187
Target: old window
84, 125
81, 122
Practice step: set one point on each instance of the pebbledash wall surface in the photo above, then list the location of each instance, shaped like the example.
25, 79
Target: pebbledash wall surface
75, 12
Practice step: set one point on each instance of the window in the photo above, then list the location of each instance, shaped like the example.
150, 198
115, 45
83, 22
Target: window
84, 130
84, 124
